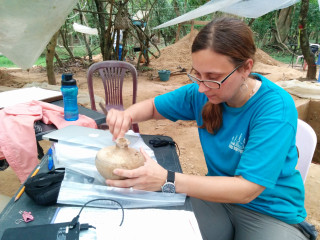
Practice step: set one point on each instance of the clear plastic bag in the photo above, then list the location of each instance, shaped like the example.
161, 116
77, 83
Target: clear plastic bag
77, 158
81, 158
75, 184
83, 180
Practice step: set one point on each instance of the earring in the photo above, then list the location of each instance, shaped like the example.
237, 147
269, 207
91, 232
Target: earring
244, 86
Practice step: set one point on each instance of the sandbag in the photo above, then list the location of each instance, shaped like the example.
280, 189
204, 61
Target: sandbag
304, 89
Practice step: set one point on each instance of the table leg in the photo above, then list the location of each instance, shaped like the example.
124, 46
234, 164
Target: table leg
40, 151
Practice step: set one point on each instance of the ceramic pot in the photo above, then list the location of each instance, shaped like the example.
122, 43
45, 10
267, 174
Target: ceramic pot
118, 156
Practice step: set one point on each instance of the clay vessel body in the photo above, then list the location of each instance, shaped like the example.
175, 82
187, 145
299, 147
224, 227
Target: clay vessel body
118, 156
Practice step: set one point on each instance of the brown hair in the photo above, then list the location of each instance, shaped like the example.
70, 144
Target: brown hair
229, 37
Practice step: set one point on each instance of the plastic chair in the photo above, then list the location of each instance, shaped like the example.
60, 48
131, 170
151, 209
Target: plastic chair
298, 58
112, 74
306, 141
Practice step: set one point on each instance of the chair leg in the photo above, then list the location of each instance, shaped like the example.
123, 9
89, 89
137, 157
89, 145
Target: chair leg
3, 164
298, 58
135, 128
40, 151
103, 126
305, 65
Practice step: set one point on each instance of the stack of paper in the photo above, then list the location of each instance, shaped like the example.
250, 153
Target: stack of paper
138, 224
23, 95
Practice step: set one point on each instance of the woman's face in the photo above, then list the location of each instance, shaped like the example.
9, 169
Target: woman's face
209, 65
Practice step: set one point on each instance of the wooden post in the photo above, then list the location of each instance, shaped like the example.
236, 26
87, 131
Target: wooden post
192, 28
50, 51
178, 32
159, 35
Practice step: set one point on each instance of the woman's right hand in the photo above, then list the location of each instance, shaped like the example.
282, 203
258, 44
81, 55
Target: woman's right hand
119, 123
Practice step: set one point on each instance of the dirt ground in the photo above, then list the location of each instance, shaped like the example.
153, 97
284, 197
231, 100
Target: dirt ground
183, 133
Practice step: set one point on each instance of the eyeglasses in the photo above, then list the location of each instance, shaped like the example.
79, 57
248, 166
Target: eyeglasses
211, 83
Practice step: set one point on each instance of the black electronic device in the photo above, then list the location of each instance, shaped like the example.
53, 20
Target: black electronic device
47, 231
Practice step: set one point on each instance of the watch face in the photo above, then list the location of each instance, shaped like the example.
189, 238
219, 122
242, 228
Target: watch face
169, 188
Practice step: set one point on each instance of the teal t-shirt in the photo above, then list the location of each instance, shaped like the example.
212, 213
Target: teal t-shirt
256, 141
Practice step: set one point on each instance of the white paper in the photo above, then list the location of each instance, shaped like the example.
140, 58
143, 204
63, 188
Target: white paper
22, 95
138, 224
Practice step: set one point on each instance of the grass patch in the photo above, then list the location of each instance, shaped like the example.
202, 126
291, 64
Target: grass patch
41, 61
5, 62
281, 56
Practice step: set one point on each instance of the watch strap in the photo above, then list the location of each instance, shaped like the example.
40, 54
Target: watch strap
170, 176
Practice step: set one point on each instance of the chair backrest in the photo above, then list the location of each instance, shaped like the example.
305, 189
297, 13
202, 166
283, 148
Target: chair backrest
112, 74
306, 141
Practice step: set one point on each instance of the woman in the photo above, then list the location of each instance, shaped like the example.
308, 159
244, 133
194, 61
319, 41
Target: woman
247, 127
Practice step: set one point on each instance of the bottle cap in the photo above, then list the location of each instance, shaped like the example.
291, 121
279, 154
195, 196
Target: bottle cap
67, 80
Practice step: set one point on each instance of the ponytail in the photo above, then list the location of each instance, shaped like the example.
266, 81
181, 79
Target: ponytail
212, 117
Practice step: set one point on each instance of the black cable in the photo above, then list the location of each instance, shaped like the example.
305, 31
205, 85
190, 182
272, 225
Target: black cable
86, 226
75, 220
158, 142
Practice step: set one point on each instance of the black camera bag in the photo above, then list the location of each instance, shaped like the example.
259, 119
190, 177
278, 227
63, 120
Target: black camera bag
44, 188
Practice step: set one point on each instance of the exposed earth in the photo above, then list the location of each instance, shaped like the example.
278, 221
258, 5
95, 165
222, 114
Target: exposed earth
183, 133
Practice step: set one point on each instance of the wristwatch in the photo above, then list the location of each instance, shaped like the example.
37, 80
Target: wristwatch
169, 186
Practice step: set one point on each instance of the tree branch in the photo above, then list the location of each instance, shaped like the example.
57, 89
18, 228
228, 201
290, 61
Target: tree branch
78, 10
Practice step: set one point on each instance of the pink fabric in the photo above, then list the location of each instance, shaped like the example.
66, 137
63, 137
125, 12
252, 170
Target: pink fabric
17, 137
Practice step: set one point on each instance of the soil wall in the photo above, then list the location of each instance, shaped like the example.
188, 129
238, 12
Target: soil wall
309, 111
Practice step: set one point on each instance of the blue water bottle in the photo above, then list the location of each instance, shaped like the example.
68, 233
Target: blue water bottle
69, 91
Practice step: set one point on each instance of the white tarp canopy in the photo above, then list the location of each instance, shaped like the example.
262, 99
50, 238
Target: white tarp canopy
84, 29
140, 15
243, 8
27, 27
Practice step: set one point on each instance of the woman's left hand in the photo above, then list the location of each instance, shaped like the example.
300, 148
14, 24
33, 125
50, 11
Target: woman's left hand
150, 177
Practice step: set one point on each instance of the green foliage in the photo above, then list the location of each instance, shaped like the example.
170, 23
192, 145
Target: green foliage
262, 27
5, 62
313, 26
163, 11
145, 68
265, 25
158, 17
279, 54
79, 51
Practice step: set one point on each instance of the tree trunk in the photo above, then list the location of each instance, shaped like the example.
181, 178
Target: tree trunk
108, 34
251, 21
82, 20
304, 40
178, 14
178, 32
284, 23
65, 42
101, 28
124, 44
49, 59
58, 59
